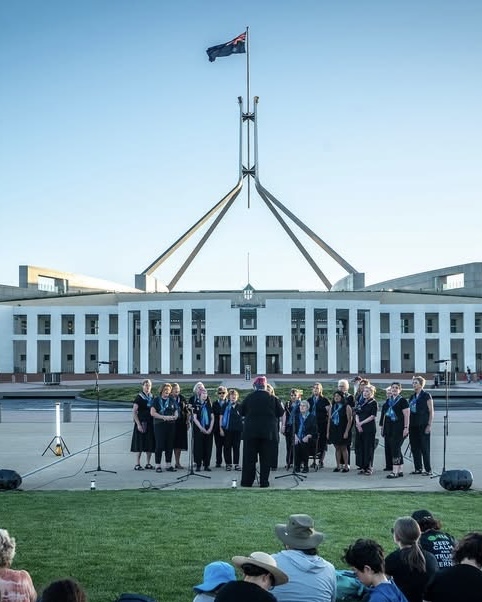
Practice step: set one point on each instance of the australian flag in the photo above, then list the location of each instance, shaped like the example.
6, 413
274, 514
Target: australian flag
236, 46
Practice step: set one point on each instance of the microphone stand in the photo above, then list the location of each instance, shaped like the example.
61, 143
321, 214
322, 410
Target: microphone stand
190, 469
298, 477
96, 389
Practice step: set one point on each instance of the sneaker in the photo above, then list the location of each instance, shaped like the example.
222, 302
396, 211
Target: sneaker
229, 467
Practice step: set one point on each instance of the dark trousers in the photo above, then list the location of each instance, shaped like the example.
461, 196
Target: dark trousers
395, 443
203, 447
164, 434
252, 448
420, 446
388, 453
232, 445
302, 454
219, 443
289, 446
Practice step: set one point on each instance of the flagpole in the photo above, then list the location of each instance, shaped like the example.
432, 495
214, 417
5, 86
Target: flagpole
247, 111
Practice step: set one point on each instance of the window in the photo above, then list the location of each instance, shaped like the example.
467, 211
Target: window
406, 356
113, 324
247, 319
92, 324
20, 324
93, 357
70, 357
46, 357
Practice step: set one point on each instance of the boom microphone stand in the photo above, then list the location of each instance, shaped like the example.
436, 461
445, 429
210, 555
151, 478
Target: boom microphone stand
446, 415
96, 389
190, 469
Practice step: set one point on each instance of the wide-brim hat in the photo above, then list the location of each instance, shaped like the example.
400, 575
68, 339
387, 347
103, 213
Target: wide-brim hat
299, 533
216, 574
264, 561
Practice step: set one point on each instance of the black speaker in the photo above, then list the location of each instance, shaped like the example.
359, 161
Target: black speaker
9, 479
453, 480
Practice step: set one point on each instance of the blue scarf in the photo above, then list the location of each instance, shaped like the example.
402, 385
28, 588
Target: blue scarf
413, 404
163, 404
204, 416
147, 398
335, 415
295, 407
226, 415
301, 426
392, 402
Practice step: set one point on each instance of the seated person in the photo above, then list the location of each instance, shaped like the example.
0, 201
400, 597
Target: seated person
311, 577
14, 585
216, 574
260, 574
433, 540
365, 557
64, 590
463, 581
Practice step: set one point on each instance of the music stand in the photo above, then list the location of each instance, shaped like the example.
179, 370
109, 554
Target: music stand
96, 389
190, 469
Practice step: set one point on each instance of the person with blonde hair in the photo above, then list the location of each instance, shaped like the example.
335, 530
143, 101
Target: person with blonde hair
165, 414
143, 434
231, 427
411, 567
366, 428
15, 585
421, 418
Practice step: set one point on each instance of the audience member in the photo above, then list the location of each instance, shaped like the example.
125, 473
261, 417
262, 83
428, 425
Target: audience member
311, 578
410, 566
365, 557
433, 540
261, 412
216, 574
143, 433
64, 590
15, 585
260, 574
463, 581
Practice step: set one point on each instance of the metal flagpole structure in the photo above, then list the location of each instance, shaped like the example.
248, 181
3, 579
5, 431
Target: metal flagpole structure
220, 208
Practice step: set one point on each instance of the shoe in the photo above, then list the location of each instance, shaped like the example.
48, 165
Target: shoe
321, 465
361, 471
297, 468
207, 469
149, 467
313, 465
218, 465
198, 468
237, 467
347, 470
264, 485
229, 467
400, 474
427, 473
246, 484
337, 470
305, 469
416, 472
171, 469
392, 475
158, 469
179, 466
138, 467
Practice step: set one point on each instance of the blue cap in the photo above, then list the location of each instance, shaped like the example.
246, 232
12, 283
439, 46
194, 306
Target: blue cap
216, 574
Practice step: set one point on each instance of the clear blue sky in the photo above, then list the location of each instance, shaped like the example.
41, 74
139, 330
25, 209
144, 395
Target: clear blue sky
117, 134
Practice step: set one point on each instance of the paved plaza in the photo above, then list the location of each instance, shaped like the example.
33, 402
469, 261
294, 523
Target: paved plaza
25, 435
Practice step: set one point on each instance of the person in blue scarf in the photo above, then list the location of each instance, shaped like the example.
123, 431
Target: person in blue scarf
305, 429
231, 427
395, 424
365, 423
218, 410
421, 418
290, 409
339, 429
164, 412
143, 433
203, 425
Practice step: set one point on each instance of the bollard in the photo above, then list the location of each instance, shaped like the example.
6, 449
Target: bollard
67, 411
25, 378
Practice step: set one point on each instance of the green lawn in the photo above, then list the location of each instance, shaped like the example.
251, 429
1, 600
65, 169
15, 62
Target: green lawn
157, 542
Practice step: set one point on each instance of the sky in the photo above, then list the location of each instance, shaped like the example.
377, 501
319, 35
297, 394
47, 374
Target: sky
117, 134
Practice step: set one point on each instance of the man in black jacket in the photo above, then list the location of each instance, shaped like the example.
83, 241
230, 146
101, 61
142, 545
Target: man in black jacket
261, 412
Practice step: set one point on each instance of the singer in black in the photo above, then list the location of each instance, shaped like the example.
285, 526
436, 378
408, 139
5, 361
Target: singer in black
203, 424
164, 412
304, 424
261, 412
218, 410
143, 433
421, 417
231, 427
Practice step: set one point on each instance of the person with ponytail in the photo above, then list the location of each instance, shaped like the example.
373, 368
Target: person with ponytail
410, 567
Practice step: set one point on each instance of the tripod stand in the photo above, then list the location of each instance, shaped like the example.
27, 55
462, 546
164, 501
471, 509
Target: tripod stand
60, 445
96, 389
298, 477
190, 469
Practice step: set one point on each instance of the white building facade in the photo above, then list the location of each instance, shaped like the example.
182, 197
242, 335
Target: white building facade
272, 332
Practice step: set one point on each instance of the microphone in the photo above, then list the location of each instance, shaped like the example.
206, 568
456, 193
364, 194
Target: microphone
440, 361
106, 363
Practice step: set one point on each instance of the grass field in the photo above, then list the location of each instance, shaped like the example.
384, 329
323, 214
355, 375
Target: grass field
157, 542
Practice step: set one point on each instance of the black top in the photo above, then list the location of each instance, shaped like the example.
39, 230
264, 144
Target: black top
364, 411
319, 406
240, 591
218, 410
439, 544
197, 410
143, 407
165, 407
309, 425
234, 420
392, 418
261, 412
461, 582
419, 412
412, 583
